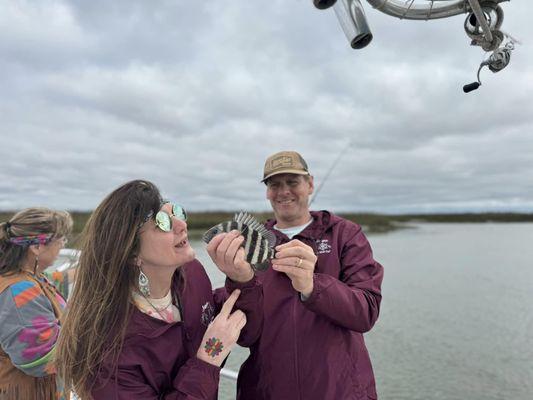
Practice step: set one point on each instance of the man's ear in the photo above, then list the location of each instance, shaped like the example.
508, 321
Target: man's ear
266, 191
311, 184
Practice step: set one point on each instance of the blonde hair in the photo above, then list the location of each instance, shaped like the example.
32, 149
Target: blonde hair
29, 222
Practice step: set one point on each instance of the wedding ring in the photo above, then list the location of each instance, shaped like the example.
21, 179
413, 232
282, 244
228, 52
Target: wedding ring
300, 260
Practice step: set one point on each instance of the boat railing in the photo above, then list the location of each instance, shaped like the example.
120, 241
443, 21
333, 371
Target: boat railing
228, 374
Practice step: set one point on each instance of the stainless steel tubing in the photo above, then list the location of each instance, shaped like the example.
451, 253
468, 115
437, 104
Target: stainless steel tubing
482, 20
431, 10
352, 19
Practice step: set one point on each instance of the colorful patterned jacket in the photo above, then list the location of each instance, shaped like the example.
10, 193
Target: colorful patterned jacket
30, 309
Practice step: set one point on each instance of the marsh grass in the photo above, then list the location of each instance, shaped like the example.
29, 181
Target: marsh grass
199, 222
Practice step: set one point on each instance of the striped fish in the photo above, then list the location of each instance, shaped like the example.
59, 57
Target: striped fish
258, 242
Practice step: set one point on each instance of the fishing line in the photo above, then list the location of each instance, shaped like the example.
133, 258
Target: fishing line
330, 170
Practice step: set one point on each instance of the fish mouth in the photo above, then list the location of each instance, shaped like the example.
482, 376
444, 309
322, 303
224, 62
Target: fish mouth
210, 234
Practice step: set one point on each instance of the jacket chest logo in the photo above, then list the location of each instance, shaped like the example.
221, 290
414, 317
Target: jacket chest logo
323, 246
208, 313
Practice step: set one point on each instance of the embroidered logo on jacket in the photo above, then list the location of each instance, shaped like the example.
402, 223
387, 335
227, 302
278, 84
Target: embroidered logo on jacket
208, 313
323, 246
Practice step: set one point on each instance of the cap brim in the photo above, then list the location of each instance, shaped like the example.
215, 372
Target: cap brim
286, 171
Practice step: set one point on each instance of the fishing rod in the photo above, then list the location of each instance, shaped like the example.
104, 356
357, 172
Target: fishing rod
331, 168
482, 24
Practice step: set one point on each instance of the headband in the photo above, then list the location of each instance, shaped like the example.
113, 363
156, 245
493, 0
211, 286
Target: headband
43, 238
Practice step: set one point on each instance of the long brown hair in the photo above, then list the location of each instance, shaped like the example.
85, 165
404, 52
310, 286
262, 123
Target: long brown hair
29, 222
100, 306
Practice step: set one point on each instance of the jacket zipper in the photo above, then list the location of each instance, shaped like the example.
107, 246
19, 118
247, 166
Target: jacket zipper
296, 348
285, 239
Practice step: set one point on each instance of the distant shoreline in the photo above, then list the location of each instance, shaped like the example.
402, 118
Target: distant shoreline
198, 222
378, 223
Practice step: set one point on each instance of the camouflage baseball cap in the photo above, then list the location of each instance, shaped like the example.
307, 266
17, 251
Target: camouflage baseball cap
284, 162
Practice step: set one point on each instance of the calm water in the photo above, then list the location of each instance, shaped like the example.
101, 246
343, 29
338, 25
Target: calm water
456, 317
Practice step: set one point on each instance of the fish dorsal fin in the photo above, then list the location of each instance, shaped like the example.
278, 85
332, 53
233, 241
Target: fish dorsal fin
252, 223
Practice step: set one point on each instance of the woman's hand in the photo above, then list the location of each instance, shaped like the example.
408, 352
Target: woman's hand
227, 253
297, 260
222, 334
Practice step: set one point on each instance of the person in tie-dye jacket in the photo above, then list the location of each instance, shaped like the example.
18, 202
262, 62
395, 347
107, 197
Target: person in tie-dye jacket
30, 304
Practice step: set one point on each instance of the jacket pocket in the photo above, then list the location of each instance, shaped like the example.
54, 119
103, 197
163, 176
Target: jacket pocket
361, 389
357, 390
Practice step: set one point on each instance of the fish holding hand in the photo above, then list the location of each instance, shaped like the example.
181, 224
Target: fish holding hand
258, 243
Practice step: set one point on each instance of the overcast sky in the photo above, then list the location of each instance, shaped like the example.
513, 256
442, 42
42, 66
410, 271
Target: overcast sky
194, 95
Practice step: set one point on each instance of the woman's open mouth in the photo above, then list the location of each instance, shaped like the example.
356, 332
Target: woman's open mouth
182, 243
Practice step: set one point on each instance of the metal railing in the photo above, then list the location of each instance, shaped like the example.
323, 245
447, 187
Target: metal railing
229, 374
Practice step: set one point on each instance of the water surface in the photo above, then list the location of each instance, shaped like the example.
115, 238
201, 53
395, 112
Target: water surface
456, 317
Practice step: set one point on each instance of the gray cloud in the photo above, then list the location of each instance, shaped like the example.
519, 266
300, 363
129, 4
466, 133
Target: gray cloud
195, 96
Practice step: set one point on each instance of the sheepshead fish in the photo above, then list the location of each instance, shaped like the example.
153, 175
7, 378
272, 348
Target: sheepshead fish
258, 243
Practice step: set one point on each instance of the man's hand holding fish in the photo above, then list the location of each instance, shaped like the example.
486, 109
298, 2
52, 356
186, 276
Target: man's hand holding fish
297, 260
227, 253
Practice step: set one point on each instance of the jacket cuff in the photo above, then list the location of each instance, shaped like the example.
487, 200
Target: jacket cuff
212, 370
232, 285
198, 379
320, 284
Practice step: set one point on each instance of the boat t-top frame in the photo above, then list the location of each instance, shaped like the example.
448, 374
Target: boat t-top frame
482, 24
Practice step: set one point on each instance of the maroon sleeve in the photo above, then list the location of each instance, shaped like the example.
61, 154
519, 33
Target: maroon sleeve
250, 302
351, 301
196, 380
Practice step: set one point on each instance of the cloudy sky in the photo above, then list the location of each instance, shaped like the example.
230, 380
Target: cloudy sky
194, 95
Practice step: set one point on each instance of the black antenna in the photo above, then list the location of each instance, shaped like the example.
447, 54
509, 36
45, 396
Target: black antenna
345, 148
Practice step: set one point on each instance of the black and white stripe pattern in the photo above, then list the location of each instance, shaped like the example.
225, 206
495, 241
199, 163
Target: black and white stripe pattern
258, 243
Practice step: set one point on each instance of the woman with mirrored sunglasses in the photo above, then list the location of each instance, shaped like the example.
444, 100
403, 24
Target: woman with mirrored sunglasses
143, 321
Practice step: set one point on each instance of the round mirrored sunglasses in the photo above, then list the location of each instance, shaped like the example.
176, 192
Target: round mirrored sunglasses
163, 220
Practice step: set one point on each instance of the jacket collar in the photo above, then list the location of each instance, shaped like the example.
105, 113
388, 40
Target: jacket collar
322, 221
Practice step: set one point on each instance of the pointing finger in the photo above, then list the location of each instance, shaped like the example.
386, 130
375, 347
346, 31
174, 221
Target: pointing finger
229, 303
